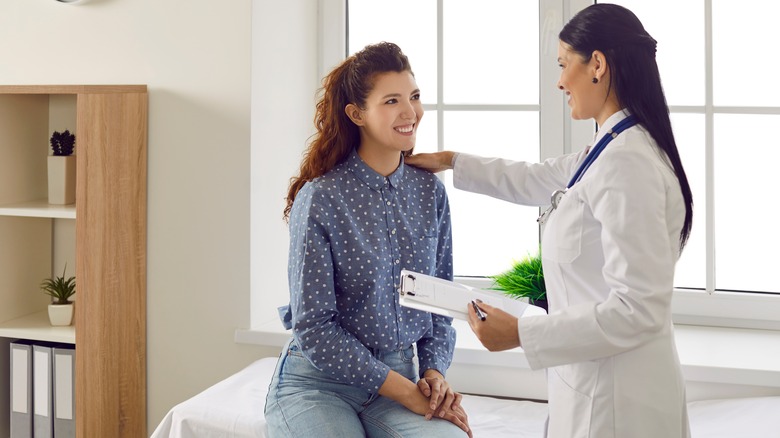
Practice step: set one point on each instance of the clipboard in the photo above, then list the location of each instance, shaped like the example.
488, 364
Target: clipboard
448, 298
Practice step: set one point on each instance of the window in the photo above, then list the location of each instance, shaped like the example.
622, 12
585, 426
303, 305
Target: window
723, 112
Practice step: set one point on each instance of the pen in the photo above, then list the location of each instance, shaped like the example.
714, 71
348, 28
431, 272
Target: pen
482, 316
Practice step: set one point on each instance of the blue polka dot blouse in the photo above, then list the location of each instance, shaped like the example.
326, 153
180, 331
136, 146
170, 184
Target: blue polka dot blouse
351, 232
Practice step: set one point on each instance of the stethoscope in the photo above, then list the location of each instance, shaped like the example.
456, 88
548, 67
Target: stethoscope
557, 195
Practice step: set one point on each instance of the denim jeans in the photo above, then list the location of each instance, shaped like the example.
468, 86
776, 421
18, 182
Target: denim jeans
305, 402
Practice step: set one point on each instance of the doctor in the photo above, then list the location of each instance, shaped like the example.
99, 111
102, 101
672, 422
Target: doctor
621, 213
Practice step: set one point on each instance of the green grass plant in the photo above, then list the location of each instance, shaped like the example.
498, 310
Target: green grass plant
524, 279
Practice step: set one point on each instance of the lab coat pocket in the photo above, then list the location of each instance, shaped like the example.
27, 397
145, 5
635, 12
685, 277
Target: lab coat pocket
564, 233
572, 387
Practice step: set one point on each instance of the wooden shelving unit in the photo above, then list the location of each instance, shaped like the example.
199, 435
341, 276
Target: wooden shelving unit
110, 251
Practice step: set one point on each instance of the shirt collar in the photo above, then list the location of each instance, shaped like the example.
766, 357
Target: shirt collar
369, 176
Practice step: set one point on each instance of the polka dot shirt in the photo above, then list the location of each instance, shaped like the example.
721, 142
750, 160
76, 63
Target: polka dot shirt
351, 232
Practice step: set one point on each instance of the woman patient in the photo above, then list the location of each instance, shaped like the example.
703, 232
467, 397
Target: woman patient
358, 215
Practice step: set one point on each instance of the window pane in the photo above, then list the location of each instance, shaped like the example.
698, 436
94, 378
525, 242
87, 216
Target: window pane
689, 133
678, 27
742, 34
409, 23
488, 233
491, 52
746, 229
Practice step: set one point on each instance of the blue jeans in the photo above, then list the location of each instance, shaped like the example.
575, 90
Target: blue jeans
305, 402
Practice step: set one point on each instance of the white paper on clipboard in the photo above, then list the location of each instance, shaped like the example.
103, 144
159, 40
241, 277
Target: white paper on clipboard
448, 298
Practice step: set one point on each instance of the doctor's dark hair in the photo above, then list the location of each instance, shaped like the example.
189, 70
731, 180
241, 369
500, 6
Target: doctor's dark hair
634, 77
336, 136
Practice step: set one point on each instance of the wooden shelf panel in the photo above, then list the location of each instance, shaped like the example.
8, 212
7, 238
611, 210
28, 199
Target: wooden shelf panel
36, 326
40, 208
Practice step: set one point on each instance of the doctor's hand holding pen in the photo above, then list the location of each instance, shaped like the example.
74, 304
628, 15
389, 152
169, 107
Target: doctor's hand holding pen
495, 329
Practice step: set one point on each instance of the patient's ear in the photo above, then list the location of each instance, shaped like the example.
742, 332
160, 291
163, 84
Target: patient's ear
354, 113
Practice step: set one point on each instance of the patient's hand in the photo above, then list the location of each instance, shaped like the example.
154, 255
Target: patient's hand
434, 162
440, 393
444, 402
421, 405
404, 391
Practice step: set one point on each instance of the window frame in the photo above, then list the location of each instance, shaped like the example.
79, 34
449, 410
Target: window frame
702, 307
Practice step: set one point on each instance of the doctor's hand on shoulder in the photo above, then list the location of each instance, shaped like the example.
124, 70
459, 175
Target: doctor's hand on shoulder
498, 331
432, 162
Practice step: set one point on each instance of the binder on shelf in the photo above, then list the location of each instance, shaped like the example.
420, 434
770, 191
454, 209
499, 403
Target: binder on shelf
21, 390
448, 298
43, 424
64, 392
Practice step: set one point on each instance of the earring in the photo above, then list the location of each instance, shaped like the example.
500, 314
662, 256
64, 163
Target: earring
595, 80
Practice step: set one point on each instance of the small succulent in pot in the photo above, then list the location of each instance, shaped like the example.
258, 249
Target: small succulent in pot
62, 143
59, 288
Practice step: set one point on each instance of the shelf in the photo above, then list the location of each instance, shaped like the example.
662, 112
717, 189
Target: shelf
40, 208
106, 245
36, 326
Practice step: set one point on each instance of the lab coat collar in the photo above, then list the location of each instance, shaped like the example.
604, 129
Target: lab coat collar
611, 121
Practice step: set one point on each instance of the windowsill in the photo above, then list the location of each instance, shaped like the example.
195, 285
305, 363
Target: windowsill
468, 350
707, 354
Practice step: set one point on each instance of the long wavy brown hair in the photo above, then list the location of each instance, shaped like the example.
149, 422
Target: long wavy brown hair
336, 136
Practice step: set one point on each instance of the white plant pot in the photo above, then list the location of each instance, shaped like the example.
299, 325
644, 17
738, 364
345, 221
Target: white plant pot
62, 179
61, 314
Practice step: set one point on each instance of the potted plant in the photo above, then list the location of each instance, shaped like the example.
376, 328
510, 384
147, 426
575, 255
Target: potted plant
525, 279
60, 290
62, 168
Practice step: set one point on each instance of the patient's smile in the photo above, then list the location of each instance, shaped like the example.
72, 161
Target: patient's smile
407, 129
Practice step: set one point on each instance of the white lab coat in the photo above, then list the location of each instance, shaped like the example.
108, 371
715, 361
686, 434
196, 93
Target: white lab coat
609, 252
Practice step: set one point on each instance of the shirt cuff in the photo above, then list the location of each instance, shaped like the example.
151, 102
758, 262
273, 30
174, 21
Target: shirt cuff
435, 364
376, 378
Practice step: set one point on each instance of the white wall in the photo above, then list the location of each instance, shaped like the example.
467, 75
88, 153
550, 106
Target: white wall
284, 83
195, 57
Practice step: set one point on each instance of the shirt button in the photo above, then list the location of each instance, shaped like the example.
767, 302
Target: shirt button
397, 262
388, 202
393, 232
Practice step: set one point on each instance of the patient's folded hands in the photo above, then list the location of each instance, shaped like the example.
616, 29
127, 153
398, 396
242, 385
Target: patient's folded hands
444, 402
429, 398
